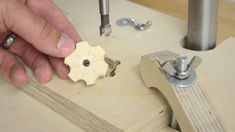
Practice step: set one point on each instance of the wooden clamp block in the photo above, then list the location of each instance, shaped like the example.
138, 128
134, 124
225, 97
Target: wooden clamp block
191, 105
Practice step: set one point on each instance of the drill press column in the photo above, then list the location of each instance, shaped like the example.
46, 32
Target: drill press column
202, 24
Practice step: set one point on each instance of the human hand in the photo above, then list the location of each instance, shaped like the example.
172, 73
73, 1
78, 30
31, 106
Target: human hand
44, 38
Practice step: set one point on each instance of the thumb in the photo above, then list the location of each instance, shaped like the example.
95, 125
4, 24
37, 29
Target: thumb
36, 30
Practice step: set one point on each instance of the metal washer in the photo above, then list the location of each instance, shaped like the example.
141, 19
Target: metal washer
124, 21
184, 82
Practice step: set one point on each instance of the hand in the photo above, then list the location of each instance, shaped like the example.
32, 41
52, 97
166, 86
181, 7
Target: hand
44, 38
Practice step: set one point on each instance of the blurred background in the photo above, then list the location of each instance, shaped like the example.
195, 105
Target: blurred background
179, 9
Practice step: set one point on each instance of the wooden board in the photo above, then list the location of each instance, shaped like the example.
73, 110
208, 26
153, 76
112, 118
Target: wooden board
21, 113
123, 103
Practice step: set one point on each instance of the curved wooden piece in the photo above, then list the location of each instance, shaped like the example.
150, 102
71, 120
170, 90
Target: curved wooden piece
192, 107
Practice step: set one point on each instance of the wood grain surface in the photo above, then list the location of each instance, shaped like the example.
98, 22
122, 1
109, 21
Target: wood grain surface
123, 103
179, 9
192, 106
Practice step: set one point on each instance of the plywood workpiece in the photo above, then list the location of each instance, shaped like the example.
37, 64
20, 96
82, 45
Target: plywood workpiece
22, 113
122, 102
86, 63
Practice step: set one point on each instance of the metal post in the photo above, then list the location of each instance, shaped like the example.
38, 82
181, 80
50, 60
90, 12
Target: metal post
105, 27
202, 24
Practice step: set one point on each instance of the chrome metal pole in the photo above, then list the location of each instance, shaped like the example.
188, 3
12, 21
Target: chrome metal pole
105, 27
202, 24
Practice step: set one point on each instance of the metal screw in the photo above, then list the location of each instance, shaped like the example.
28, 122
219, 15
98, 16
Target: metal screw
181, 64
173, 122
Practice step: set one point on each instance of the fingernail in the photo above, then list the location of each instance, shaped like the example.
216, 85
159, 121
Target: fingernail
66, 44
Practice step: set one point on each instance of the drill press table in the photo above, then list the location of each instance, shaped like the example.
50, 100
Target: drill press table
121, 103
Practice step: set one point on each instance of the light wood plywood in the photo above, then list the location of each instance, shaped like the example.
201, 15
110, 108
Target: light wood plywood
188, 99
86, 63
22, 113
122, 102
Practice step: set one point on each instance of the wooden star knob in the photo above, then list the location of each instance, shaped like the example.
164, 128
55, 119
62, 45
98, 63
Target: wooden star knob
86, 63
